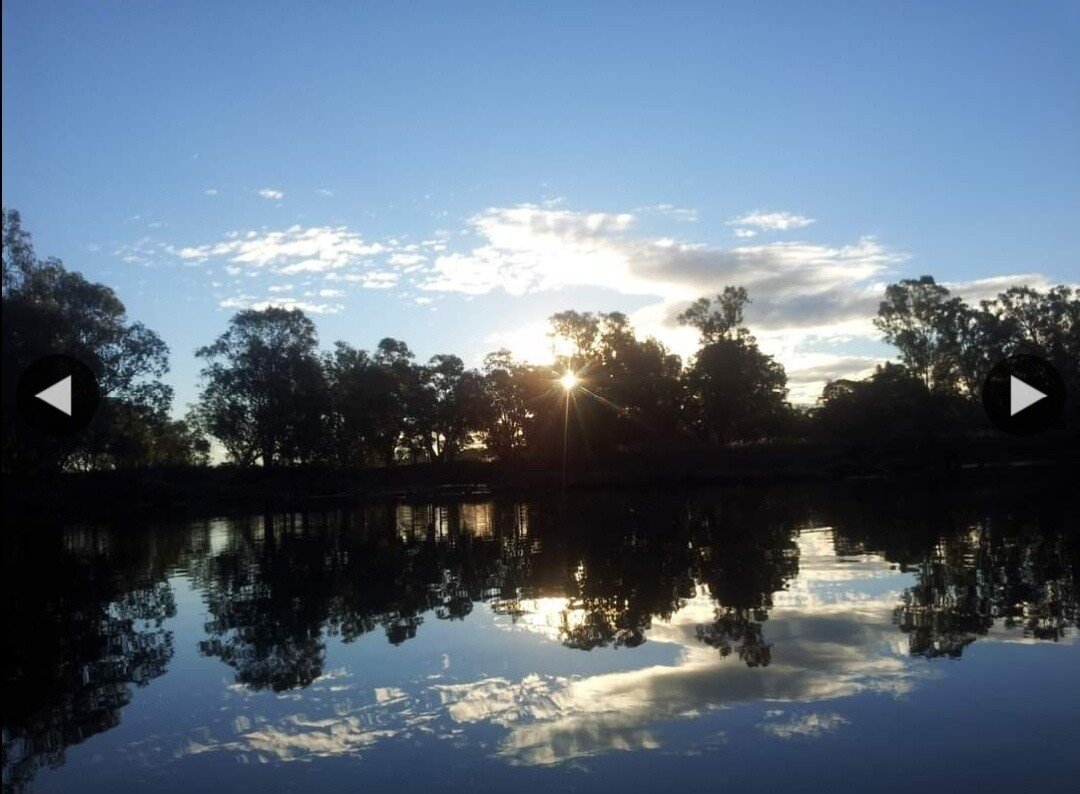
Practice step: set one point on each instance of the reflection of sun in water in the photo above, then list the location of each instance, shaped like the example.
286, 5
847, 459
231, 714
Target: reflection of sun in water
568, 380
550, 616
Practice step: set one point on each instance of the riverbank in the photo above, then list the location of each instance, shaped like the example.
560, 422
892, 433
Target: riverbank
227, 488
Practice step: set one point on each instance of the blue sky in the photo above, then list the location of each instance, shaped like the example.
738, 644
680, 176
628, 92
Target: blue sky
451, 174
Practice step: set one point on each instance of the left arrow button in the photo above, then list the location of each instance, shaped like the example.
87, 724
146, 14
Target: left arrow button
58, 395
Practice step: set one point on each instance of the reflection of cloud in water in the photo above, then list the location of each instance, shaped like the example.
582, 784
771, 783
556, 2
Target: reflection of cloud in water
820, 653
831, 639
806, 726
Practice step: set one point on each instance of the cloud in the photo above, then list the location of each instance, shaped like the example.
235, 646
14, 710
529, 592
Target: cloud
372, 279
802, 292
812, 307
807, 726
684, 214
770, 221
989, 288
407, 259
294, 250
272, 193
528, 248
808, 372
251, 302
210, 191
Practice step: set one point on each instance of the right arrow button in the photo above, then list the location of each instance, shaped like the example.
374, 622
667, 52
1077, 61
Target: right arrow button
1022, 396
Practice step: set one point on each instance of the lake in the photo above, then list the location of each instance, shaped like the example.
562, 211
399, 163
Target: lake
882, 638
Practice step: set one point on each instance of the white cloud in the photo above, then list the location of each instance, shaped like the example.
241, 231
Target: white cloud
808, 298
989, 288
372, 279
807, 726
407, 259
249, 302
526, 249
272, 193
812, 302
295, 250
771, 221
281, 288
800, 290
326, 192
685, 214
210, 191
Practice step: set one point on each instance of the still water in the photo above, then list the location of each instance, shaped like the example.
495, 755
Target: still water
741, 640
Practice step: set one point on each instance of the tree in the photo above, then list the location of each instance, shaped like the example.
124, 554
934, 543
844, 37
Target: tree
399, 381
264, 393
923, 320
449, 406
1045, 324
951, 347
505, 416
890, 405
368, 405
734, 391
629, 390
717, 320
48, 309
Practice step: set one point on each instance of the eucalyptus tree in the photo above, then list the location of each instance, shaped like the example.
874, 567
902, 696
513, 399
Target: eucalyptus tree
264, 391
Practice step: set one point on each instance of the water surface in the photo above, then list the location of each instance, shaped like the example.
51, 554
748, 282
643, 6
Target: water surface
747, 640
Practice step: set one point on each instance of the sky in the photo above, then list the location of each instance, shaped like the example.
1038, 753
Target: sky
452, 174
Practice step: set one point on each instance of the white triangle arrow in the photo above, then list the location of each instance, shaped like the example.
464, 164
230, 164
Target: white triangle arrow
1021, 395
58, 395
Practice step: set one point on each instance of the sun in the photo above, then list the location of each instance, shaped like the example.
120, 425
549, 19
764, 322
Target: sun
568, 380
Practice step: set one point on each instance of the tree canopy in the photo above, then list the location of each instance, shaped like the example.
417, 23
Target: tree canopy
49, 309
271, 396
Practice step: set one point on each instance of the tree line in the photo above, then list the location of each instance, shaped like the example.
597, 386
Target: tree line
270, 396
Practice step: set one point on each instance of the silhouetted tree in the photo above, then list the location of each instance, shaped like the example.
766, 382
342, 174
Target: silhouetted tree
890, 405
264, 393
628, 393
401, 380
447, 406
922, 320
506, 415
734, 391
48, 309
951, 346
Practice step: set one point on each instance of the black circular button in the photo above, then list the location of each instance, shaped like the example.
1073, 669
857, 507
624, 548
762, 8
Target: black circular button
58, 395
1023, 395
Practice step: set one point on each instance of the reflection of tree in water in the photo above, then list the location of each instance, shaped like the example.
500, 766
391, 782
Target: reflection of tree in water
745, 552
975, 579
622, 563
620, 566
83, 625
266, 594
285, 581
1017, 571
85, 619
